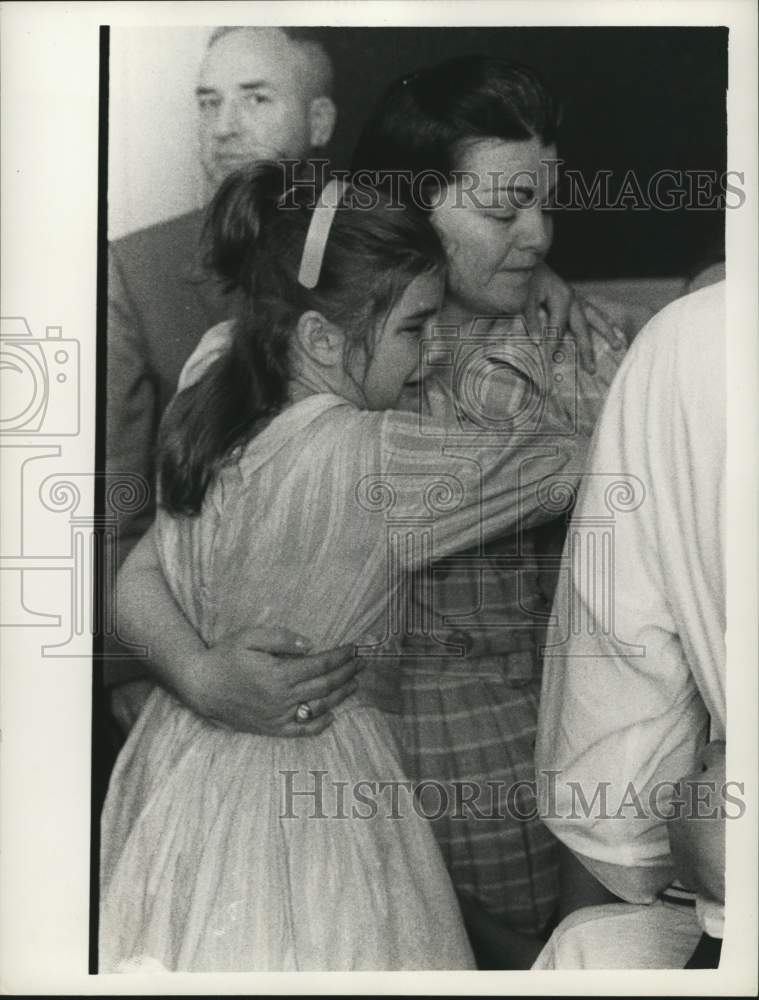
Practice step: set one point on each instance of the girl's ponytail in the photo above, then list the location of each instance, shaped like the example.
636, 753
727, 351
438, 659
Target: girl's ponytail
239, 210
248, 383
257, 248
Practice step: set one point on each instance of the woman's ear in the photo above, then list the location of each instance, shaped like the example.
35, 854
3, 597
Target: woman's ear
320, 340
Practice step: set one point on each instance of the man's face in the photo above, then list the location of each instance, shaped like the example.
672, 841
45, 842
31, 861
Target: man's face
253, 100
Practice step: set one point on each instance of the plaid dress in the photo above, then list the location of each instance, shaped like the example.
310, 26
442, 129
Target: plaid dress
470, 721
469, 735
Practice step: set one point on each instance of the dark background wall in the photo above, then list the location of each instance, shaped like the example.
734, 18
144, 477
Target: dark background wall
634, 98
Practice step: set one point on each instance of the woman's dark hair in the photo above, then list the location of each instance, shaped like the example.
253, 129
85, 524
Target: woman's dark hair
425, 121
256, 238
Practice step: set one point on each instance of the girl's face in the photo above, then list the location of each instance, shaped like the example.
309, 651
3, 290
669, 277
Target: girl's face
492, 242
394, 362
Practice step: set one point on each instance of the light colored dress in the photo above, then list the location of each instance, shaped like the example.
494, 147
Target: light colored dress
472, 718
207, 864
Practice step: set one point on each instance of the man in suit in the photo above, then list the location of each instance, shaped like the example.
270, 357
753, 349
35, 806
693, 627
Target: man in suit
262, 94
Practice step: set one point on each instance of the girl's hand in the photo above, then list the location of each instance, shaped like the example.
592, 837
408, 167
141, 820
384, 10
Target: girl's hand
554, 303
238, 685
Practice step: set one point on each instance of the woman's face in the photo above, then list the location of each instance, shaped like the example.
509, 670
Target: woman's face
394, 362
494, 224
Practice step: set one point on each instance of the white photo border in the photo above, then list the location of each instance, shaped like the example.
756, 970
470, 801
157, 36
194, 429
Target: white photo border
49, 265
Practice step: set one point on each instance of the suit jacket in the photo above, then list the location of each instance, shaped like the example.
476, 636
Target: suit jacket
160, 302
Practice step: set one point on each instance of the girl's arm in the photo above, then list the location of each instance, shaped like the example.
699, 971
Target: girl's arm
474, 481
234, 682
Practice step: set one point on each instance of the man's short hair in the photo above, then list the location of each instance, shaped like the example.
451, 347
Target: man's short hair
320, 74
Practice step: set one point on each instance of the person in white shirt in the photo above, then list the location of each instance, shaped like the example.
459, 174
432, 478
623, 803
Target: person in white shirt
634, 674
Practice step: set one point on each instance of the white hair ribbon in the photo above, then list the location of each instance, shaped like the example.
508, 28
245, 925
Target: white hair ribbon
318, 231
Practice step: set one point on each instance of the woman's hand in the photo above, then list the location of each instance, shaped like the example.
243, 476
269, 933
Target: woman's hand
238, 685
554, 303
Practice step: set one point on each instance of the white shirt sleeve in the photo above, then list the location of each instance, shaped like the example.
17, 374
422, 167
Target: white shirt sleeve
634, 663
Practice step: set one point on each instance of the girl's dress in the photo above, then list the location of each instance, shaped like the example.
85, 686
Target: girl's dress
224, 851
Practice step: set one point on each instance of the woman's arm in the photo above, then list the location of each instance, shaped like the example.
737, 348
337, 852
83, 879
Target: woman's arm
565, 310
580, 394
234, 682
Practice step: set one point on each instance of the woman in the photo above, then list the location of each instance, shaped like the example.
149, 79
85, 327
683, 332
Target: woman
468, 721
483, 133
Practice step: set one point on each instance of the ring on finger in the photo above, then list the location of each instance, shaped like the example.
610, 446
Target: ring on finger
304, 713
